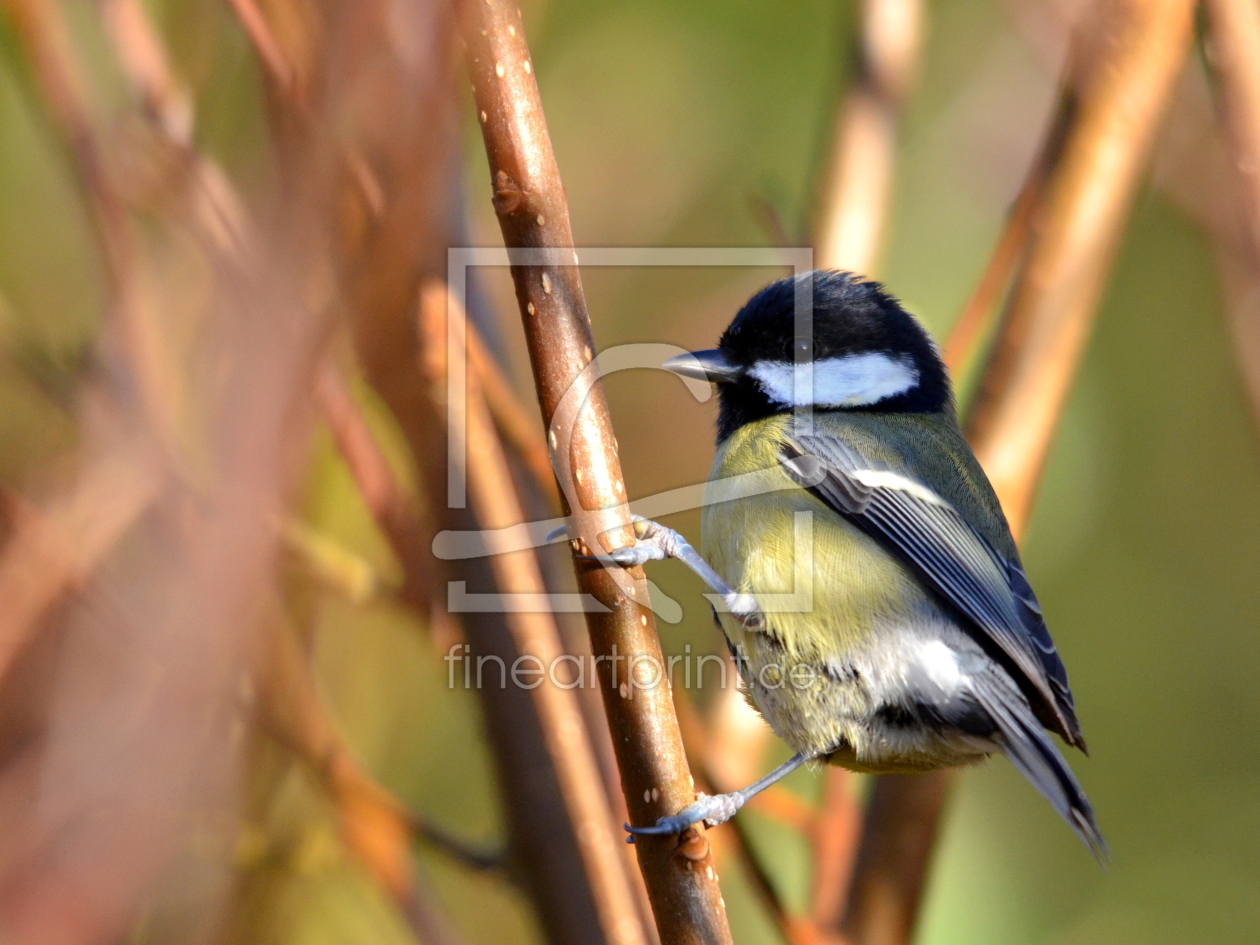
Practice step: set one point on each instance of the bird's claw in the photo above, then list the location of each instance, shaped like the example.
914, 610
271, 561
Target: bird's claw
630, 556
561, 531
712, 809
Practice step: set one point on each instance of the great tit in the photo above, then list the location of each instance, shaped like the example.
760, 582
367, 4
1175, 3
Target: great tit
891, 628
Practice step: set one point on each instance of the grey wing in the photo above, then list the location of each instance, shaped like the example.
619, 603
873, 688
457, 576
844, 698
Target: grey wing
1030, 614
929, 535
1033, 753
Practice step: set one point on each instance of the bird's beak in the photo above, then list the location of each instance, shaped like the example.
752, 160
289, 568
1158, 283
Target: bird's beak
710, 366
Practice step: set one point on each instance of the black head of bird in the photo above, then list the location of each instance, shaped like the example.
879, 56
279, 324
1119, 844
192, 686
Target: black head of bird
827, 340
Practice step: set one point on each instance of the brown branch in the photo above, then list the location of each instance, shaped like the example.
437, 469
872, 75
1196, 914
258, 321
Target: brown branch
533, 213
857, 186
180, 599
52, 550
392, 508
964, 338
1141, 48
374, 826
519, 428
537, 638
55, 549
136, 349
1052, 304
837, 831
393, 183
145, 63
268, 50
898, 836
1234, 42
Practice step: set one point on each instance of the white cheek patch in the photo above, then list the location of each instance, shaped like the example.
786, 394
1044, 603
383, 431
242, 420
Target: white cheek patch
855, 380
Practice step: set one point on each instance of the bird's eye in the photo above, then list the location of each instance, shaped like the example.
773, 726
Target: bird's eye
802, 348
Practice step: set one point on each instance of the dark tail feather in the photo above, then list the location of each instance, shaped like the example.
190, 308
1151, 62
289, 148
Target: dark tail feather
1033, 753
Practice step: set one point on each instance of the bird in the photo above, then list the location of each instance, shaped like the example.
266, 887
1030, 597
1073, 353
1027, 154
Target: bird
867, 582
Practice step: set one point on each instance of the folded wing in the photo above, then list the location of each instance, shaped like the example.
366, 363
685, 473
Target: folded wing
931, 538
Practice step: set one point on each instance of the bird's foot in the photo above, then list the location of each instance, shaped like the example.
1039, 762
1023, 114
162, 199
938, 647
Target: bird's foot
712, 809
656, 543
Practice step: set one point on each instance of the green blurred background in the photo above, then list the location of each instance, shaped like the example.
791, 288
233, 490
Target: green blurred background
669, 120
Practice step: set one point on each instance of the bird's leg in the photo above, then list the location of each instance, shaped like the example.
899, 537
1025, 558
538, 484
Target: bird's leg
716, 809
656, 543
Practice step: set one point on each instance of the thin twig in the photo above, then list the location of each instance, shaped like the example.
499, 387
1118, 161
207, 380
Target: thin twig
767, 216
1141, 47
268, 50
496, 506
533, 213
730, 840
837, 831
144, 61
1234, 42
964, 338
389, 503
518, 427
1048, 319
374, 825
54, 549
857, 187
60, 78
459, 850
376, 828
213, 206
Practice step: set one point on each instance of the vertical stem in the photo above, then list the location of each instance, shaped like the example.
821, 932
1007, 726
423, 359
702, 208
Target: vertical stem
964, 338
902, 823
533, 213
255, 25
836, 835
857, 185
519, 429
497, 507
1234, 41
1057, 291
